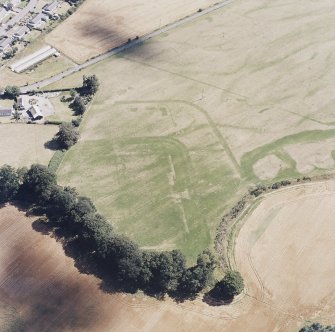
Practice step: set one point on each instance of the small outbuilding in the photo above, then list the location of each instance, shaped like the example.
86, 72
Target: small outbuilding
50, 8
37, 20
3, 13
5, 44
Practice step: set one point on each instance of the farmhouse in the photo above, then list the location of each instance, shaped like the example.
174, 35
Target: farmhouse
3, 13
5, 111
50, 8
37, 20
5, 44
35, 112
19, 34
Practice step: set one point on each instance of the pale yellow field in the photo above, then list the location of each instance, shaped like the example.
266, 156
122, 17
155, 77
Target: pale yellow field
286, 255
23, 145
101, 25
237, 97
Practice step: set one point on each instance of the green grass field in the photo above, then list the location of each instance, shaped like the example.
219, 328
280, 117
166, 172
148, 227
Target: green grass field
162, 190
185, 123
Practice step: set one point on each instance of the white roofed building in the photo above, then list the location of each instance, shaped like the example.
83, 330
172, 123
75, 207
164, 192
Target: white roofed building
5, 44
20, 33
35, 112
3, 14
50, 8
37, 20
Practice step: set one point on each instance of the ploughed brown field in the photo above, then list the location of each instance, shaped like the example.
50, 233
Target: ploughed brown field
42, 290
101, 25
285, 252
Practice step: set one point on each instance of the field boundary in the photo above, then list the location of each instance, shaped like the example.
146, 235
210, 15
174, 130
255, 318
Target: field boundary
231, 223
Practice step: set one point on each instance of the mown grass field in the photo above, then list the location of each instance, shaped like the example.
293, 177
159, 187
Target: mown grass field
23, 145
154, 178
185, 123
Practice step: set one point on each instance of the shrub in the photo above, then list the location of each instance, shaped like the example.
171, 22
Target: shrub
78, 105
12, 91
76, 122
90, 85
316, 327
9, 183
67, 136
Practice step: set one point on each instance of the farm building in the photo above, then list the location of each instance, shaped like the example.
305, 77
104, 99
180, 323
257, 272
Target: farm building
37, 20
5, 111
35, 112
5, 44
50, 8
19, 34
23, 102
33, 59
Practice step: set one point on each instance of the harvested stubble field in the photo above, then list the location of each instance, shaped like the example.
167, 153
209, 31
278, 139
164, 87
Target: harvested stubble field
23, 145
285, 252
100, 26
184, 123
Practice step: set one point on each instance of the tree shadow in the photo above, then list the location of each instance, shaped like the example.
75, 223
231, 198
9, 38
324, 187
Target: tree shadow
88, 262
218, 296
52, 145
41, 225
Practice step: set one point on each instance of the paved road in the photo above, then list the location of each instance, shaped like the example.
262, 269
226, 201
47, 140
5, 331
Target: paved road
19, 16
121, 48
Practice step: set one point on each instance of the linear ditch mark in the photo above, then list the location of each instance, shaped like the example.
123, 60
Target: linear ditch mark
121, 48
210, 122
178, 201
236, 94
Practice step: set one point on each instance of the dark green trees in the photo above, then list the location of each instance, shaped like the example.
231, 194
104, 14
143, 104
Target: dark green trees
78, 105
38, 185
231, 285
12, 91
67, 136
9, 183
115, 256
90, 85
316, 327
198, 277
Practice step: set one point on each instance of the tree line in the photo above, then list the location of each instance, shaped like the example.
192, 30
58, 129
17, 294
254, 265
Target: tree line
317, 327
79, 222
121, 259
68, 134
